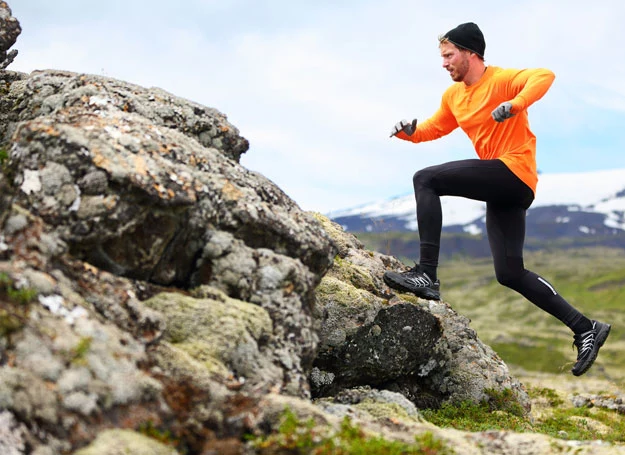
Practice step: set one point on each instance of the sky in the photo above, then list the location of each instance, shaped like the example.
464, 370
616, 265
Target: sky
316, 86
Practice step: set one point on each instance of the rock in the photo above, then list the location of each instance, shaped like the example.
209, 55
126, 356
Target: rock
371, 337
9, 31
226, 336
11, 435
126, 177
121, 442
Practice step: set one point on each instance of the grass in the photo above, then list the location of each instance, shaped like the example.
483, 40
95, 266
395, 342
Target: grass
562, 422
543, 358
304, 437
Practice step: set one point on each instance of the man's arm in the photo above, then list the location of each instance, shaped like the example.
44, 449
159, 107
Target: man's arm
528, 86
440, 124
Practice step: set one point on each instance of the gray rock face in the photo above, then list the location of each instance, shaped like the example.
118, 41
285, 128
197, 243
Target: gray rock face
113, 195
100, 162
130, 180
371, 336
9, 31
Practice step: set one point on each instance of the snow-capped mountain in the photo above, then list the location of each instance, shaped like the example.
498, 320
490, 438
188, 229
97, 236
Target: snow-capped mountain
566, 205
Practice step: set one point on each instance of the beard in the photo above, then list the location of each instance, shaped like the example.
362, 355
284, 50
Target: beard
459, 71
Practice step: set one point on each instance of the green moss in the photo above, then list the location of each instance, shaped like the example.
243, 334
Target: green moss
210, 329
297, 437
351, 273
469, 416
21, 296
14, 308
10, 322
152, 431
551, 395
384, 411
79, 353
574, 422
332, 289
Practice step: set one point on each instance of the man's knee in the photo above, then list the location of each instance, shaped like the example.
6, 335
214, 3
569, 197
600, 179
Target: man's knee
510, 273
423, 177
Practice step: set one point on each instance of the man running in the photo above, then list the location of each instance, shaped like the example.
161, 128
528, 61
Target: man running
490, 105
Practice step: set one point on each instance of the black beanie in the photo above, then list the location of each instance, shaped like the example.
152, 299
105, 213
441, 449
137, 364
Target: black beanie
467, 36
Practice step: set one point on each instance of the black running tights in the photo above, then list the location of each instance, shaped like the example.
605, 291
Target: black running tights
507, 199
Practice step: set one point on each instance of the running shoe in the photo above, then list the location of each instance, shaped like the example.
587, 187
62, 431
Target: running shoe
415, 281
588, 344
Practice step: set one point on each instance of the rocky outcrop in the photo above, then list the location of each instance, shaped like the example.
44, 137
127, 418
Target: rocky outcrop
161, 267
9, 31
372, 336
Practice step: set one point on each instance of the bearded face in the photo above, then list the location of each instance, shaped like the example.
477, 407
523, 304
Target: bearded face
455, 60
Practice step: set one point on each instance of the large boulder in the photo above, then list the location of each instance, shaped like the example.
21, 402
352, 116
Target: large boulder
147, 186
161, 279
373, 336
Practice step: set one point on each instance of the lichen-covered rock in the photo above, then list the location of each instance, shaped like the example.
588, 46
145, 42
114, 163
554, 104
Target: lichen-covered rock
11, 435
9, 31
170, 283
5, 200
373, 336
147, 187
226, 336
123, 442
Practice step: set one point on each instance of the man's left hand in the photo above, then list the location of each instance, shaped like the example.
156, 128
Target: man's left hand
502, 112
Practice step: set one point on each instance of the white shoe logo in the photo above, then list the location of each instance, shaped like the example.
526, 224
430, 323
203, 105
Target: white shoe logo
418, 281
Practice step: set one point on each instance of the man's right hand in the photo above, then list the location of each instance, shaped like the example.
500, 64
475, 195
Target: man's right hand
405, 126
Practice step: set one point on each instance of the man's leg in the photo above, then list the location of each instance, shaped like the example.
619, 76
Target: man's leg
482, 180
506, 235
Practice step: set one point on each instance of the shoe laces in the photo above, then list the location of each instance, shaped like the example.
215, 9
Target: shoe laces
419, 276
584, 341
413, 272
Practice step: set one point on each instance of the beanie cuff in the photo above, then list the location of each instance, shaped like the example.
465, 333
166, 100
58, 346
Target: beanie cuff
460, 46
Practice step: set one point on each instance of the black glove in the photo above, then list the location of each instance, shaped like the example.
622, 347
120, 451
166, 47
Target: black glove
408, 128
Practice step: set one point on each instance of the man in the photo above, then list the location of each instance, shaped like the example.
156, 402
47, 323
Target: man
490, 105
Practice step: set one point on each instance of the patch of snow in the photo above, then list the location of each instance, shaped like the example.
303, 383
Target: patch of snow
472, 229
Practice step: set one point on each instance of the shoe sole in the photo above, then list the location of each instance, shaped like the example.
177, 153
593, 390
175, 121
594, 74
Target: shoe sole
424, 293
602, 335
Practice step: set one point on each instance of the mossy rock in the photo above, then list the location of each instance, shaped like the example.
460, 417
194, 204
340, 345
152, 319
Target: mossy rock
210, 330
123, 442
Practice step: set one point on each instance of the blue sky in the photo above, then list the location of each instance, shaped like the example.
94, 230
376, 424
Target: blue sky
316, 86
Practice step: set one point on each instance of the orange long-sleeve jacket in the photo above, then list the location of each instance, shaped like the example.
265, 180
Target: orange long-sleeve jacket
470, 107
